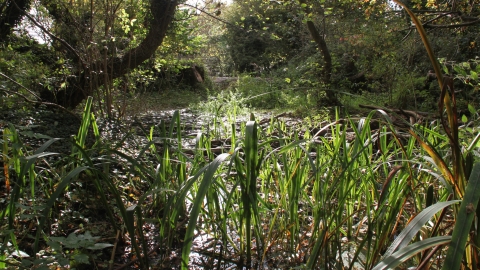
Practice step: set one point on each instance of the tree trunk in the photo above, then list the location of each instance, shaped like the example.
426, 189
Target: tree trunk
327, 58
322, 45
10, 15
93, 76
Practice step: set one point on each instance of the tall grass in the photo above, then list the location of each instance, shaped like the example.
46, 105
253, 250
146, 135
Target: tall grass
335, 198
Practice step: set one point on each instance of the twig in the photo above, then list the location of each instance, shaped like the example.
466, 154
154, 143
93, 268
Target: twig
427, 258
266, 120
411, 113
452, 25
114, 249
438, 17
458, 25
408, 34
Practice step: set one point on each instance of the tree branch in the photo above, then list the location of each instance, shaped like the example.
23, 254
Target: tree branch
213, 16
63, 42
162, 12
451, 25
40, 102
439, 26
92, 76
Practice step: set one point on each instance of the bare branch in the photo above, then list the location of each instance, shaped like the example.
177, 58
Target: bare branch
439, 26
19, 84
212, 16
451, 25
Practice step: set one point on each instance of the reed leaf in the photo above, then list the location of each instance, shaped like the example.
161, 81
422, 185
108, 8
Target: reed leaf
131, 228
72, 175
197, 205
415, 225
249, 184
85, 124
312, 259
439, 162
407, 252
44, 146
463, 224
6, 161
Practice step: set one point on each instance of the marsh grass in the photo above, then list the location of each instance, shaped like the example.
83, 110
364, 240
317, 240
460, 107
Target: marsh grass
277, 196
349, 200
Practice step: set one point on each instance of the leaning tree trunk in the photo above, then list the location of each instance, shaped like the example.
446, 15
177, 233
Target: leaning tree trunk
322, 45
327, 58
90, 79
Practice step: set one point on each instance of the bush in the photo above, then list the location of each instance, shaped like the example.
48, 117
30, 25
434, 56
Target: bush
259, 92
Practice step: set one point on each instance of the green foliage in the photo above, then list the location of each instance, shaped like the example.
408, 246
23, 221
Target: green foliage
394, 260
258, 92
222, 111
409, 91
467, 73
263, 34
207, 180
179, 52
215, 52
399, 252
70, 251
27, 63
285, 93
275, 188
87, 34
455, 175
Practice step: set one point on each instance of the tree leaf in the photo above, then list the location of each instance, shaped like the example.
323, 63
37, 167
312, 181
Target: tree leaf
55, 245
81, 258
472, 109
474, 75
60, 188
